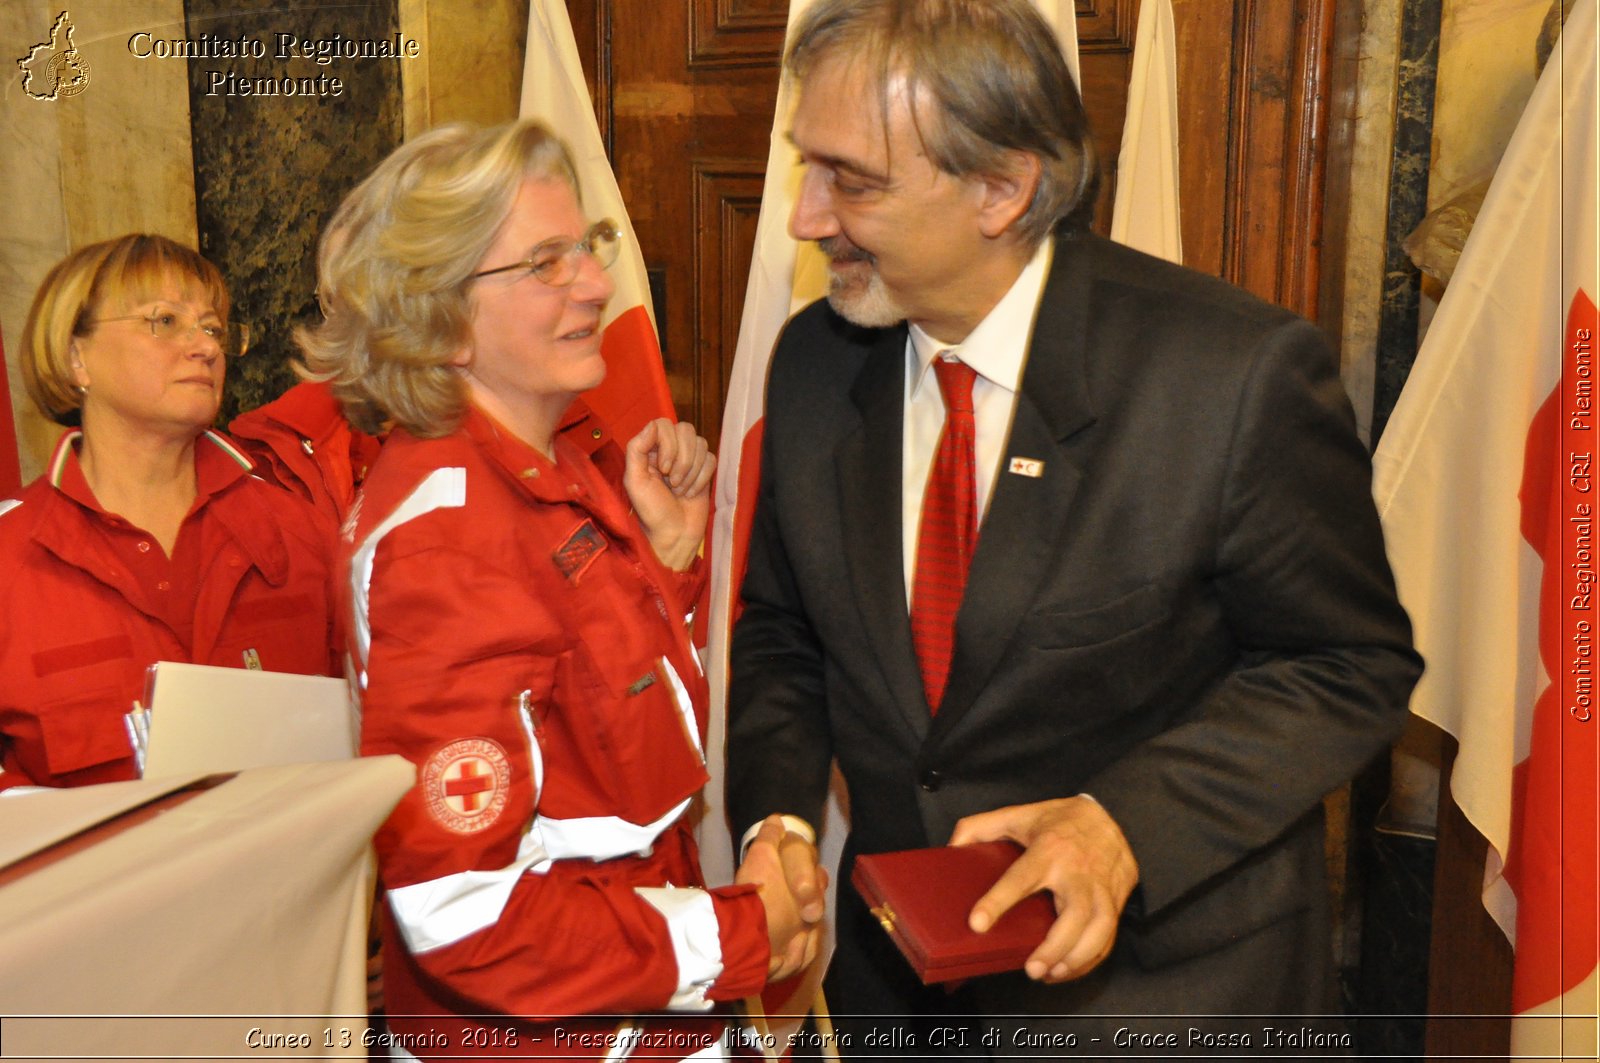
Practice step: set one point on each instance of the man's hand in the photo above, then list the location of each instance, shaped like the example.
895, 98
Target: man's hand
1075, 850
792, 929
667, 476
807, 878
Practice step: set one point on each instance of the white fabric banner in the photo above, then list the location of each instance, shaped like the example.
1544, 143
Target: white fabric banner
1145, 212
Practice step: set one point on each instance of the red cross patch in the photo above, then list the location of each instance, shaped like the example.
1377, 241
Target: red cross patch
466, 785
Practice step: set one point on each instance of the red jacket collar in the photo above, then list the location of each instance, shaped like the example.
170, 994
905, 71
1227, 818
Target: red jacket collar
217, 465
219, 468
571, 479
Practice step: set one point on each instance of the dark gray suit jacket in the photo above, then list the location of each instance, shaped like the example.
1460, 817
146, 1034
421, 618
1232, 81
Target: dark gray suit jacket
1188, 615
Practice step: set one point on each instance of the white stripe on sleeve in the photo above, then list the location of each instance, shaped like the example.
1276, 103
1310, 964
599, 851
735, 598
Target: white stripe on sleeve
442, 911
696, 943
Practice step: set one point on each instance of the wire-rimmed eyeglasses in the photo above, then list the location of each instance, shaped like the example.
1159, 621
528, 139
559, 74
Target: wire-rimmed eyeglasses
556, 262
176, 326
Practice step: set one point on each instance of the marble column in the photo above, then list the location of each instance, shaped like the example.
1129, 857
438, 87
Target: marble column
278, 141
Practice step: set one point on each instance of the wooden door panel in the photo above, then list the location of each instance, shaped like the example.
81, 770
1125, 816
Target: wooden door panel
1252, 110
736, 32
727, 204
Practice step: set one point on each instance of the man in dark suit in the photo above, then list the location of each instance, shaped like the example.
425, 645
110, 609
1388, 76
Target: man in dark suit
1176, 631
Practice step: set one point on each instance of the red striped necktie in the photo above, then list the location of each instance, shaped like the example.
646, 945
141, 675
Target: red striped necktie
948, 534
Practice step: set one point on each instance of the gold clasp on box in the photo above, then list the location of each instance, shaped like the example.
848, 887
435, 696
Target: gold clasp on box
885, 917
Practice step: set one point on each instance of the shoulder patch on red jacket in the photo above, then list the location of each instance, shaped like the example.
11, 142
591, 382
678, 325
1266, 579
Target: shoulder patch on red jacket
586, 543
466, 784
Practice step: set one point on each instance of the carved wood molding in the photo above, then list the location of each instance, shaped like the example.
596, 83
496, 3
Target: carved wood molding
1277, 157
750, 32
725, 33
726, 205
1306, 177
591, 29
1106, 25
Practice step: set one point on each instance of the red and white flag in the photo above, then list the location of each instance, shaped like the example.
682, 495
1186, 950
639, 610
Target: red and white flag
1487, 484
784, 277
553, 92
10, 460
1144, 214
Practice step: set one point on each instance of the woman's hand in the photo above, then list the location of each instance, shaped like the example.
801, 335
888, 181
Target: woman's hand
668, 479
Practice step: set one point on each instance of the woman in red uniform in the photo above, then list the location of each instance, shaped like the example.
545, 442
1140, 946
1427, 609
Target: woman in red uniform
146, 539
518, 630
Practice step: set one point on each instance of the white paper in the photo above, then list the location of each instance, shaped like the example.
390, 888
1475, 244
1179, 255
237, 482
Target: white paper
207, 719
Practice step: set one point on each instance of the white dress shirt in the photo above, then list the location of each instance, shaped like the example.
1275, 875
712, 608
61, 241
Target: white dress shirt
998, 351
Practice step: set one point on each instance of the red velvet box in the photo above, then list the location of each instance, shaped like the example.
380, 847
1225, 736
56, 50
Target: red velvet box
923, 897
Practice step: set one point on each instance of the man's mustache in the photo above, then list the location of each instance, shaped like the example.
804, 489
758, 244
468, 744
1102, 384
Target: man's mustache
839, 249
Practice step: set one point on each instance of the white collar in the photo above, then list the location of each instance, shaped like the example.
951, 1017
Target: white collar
998, 347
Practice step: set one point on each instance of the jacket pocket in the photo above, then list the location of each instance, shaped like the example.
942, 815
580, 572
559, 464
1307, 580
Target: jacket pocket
643, 724
1080, 626
85, 731
275, 606
1121, 656
81, 654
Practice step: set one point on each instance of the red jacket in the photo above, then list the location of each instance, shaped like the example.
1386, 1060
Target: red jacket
515, 638
302, 442
78, 628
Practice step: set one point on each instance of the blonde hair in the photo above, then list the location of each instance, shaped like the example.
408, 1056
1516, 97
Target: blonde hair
81, 288
997, 81
394, 268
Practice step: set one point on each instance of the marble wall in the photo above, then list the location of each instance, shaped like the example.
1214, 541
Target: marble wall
471, 68
278, 141
1441, 87
1371, 155
1487, 69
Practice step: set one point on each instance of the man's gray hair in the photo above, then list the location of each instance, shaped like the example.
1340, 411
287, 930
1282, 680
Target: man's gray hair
996, 81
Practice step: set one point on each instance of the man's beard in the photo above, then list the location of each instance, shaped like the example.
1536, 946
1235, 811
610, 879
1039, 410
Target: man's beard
859, 296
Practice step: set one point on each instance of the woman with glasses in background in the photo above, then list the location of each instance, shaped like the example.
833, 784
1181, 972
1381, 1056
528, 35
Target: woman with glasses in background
519, 629
147, 538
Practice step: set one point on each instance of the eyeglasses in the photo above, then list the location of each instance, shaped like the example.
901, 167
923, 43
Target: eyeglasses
556, 262
177, 327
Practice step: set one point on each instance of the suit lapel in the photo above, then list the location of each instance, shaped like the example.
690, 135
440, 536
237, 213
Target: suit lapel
868, 465
1018, 539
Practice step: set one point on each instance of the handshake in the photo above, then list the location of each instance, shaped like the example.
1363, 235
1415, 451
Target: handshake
783, 866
